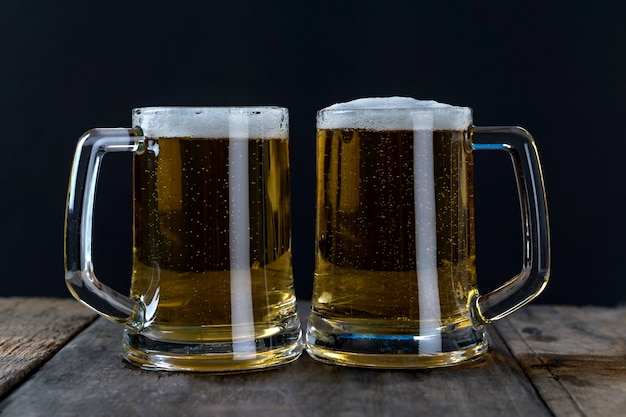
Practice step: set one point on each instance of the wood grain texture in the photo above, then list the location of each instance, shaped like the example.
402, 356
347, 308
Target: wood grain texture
575, 356
88, 377
32, 330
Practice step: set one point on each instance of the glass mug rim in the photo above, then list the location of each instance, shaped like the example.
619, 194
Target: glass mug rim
191, 109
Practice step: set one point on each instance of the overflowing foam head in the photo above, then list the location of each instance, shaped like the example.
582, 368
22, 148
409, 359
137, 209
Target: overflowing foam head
394, 113
213, 122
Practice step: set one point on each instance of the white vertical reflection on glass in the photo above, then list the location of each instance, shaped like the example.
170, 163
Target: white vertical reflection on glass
242, 319
426, 233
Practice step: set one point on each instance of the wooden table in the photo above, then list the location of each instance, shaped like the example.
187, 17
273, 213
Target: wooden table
58, 359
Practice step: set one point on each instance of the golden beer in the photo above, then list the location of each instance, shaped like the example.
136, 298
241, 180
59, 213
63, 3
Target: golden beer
366, 226
395, 251
183, 240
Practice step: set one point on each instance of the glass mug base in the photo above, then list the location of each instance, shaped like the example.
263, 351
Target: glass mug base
343, 343
222, 355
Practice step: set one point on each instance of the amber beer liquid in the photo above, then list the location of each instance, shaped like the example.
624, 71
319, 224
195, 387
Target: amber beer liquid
183, 238
366, 232
386, 292
182, 232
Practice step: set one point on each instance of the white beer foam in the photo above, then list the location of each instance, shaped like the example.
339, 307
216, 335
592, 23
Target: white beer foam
213, 122
392, 113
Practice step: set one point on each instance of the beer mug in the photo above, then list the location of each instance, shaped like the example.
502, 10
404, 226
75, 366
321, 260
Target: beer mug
395, 278
212, 285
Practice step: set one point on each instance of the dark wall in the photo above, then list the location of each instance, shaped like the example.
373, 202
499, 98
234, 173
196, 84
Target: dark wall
556, 69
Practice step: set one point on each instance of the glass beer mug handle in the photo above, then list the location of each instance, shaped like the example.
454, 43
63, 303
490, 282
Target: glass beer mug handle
79, 269
533, 277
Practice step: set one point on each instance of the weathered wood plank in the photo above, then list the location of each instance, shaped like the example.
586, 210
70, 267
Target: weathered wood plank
575, 356
32, 330
88, 377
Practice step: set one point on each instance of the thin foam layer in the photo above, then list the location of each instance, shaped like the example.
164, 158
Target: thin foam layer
213, 122
394, 113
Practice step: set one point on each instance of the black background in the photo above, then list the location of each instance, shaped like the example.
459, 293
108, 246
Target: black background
558, 69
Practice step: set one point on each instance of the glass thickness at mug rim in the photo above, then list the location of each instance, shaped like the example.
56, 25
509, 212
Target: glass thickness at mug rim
259, 122
193, 109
